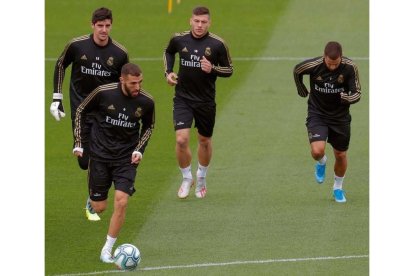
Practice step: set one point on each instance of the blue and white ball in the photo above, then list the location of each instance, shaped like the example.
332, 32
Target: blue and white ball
127, 256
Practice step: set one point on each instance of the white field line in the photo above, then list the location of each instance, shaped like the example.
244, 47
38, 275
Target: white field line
223, 264
235, 58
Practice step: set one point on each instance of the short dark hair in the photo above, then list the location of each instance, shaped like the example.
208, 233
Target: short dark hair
200, 10
131, 69
333, 50
101, 14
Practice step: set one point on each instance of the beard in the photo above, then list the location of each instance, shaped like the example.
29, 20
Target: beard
131, 93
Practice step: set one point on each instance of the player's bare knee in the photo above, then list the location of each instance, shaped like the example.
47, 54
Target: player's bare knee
182, 142
204, 143
121, 202
317, 154
98, 207
340, 155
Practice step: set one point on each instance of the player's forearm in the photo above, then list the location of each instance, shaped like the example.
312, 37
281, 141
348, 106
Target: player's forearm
301, 88
169, 60
351, 97
59, 75
86, 105
354, 94
143, 141
223, 71
77, 132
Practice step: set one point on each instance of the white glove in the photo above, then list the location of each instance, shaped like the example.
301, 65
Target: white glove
77, 149
136, 157
56, 108
137, 153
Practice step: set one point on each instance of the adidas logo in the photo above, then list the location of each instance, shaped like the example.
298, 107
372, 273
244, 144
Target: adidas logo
111, 107
184, 50
319, 78
84, 57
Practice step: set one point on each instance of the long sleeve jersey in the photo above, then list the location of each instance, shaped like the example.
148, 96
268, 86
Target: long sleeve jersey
122, 125
92, 65
193, 83
331, 92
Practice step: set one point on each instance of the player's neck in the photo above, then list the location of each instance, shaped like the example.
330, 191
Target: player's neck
198, 36
99, 42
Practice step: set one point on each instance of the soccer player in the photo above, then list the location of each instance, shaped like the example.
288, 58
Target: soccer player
96, 59
124, 120
203, 56
334, 86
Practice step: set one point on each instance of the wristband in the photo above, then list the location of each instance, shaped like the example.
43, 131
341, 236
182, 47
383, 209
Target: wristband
137, 152
57, 96
77, 149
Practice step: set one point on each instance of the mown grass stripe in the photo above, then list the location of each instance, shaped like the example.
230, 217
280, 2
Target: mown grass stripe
323, 258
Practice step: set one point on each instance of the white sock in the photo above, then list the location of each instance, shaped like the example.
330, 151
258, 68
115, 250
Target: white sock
322, 161
109, 242
187, 172
201, 171
338, 182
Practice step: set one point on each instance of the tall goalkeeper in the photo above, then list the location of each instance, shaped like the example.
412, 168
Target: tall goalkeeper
96, 60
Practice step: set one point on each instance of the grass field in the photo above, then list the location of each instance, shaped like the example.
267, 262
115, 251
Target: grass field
264, 214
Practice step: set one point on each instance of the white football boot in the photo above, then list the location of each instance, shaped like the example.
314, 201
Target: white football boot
185, 188
201, 188
106, 256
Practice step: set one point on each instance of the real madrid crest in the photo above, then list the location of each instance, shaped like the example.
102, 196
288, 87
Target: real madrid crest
110, 61
207, 52
341, 78
138, 112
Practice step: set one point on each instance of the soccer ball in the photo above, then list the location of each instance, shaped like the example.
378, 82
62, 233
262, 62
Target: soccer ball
127, 257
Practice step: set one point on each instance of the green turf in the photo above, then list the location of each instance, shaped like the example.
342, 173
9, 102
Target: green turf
262, 201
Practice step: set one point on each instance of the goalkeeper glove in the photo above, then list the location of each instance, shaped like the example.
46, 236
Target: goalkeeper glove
56, 108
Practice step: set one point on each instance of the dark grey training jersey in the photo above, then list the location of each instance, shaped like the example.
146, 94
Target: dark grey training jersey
326, 86
193, 83
123, 124
92, 65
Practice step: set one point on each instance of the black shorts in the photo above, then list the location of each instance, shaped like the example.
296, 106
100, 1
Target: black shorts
102, 174
203, 114
337, 134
